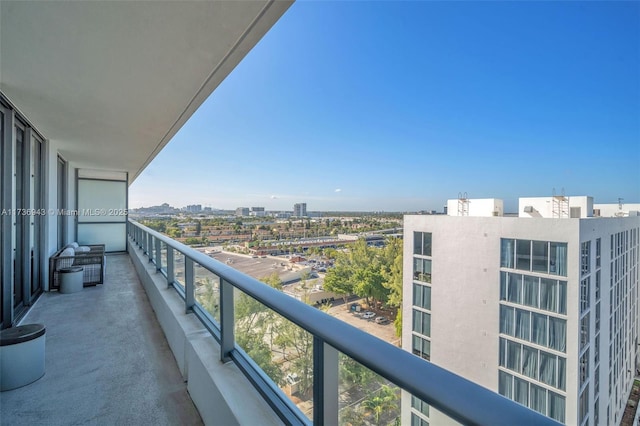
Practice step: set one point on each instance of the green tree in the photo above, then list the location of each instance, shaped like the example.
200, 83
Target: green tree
385, 400
352, 373
297, 347
392, 273
255, 330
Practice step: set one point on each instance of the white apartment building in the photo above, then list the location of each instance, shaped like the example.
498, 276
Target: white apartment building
541, 308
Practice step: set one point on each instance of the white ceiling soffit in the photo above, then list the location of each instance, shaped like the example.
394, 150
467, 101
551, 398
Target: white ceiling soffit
111, 82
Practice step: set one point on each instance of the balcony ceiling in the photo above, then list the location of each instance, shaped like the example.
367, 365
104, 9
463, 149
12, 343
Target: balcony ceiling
111, 82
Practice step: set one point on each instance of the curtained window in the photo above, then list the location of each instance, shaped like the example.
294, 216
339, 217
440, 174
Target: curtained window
556, 406
558, 259
523, 324
520, 391
507, 247
548, 368
505, 384
538, 397
530, 362
515, 288
530, 291
539, 329
507, 322
548, 294
557, 334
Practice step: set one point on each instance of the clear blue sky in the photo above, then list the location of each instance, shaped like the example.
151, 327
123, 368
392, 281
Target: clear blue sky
399, 106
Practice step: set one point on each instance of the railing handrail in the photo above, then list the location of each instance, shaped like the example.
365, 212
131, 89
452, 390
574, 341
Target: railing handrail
457, 397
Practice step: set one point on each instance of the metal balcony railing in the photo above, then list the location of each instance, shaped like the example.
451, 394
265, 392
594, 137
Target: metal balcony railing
450, 394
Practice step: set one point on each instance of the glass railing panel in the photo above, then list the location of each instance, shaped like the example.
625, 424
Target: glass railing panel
163, 256
280, 348
364, 397
207, 288
178, 267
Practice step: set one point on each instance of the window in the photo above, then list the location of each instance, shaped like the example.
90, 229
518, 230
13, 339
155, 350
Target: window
583, 406
531, 291
422, 270
422, 243
422, 296
598, 285
505, 384
584, 368
548, 294
558, 259
507, 247
562, 297
584, 294
507, 322
523, 255
540, 327
514, 287
421, 347
520, 391
556, 406
557, 334
530, 362
418, 421
585, 257
420, 405
422, 322
540, 256
523, 324
598, 252
537, 256
538, 397
548, 368
597, 317
513, 355
584, 331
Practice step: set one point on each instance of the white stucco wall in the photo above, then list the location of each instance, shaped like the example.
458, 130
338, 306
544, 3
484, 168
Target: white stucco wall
543, 206
481, 207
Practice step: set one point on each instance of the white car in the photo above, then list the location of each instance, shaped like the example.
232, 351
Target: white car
368, 315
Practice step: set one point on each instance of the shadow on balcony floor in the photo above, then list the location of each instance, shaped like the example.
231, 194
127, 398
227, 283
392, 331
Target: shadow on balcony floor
107, 361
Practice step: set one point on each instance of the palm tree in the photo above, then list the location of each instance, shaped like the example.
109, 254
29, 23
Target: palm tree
384, 400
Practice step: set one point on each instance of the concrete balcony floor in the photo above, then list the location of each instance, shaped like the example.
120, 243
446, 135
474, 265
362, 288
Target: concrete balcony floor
107, 361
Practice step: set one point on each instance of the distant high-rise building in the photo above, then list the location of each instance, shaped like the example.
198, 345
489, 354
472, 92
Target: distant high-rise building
242, 211
300, 210
541, 308
194, 208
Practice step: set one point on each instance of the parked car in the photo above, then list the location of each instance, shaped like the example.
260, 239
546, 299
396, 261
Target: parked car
382, 320
368, 315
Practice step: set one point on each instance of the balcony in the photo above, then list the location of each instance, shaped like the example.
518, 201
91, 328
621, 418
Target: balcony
142, 349
107, 360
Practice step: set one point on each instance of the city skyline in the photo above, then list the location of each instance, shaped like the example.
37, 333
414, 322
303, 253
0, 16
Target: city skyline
402, 106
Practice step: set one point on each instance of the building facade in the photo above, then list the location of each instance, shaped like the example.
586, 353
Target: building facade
539, 308
300, 210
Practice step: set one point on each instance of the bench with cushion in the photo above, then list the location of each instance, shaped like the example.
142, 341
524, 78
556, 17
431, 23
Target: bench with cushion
90, 257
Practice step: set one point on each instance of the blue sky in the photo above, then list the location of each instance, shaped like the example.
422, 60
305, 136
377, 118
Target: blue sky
399, 106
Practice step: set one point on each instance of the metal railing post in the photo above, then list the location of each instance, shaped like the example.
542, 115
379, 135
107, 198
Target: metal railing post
158, 254
325, 383
227, 338
189, 290
147, 246
171, 275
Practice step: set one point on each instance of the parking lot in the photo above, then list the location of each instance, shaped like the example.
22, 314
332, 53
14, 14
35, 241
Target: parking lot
386, 332
260, 267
